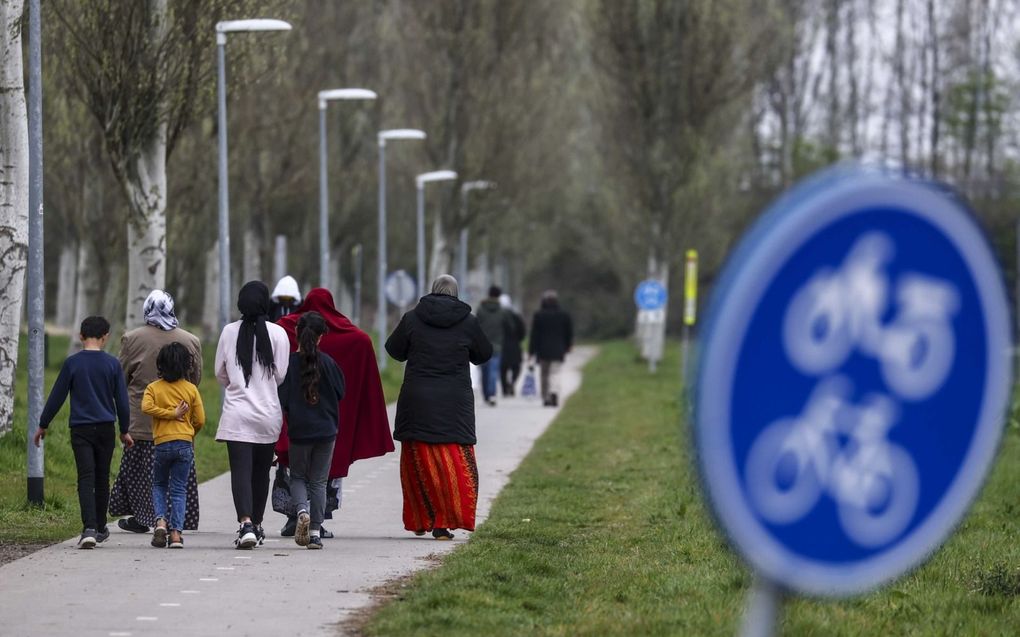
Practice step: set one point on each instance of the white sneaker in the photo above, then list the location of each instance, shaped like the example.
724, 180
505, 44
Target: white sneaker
301, 535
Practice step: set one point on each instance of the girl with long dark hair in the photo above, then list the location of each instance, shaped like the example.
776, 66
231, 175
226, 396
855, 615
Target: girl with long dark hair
310, 397
251, 361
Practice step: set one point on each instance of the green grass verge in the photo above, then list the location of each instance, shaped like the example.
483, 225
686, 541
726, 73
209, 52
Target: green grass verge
602, 531
59, 518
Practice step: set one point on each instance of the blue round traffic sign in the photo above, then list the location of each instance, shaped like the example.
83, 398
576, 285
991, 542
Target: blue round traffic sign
650, 295
852, 382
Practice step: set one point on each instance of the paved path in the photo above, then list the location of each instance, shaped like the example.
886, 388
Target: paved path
124, 587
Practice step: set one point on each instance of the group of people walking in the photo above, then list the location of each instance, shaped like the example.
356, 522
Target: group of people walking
303, 392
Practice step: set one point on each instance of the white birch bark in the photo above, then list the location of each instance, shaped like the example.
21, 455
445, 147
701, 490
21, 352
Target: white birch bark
280, 258
145, 183
252, 257
146, 236
13, 200
67, 283
211, 298
440, 258
88, 291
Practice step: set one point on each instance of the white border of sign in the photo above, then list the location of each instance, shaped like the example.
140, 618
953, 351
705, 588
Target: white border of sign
795, 219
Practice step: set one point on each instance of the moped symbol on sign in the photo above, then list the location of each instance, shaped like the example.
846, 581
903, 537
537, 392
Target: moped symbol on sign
853, 378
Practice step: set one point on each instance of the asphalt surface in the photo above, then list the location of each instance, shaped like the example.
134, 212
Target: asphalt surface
125, 587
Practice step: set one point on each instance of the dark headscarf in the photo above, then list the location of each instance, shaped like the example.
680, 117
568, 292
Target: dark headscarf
253, 303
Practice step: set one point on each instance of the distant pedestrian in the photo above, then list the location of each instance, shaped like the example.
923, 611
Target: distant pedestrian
552, 337
132, 490
436, 411
493, 320
95, 382
365, 431
252, 357
310, 397
285, 299
177, 415
514, 332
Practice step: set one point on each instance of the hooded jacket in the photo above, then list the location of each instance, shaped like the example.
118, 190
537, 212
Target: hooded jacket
438, 339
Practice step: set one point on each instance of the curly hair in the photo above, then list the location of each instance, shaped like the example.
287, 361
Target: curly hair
310, 327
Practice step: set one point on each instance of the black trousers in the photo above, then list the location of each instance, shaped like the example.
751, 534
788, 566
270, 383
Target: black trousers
93, 447
509, 372
249, 477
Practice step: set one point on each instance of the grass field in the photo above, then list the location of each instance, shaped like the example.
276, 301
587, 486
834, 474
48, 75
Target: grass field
59, 518
602, 531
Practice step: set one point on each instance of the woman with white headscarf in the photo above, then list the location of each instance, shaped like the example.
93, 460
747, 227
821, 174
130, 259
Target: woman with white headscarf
132, 491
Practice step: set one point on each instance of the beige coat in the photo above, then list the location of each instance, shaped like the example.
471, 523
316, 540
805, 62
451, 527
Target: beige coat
138, 350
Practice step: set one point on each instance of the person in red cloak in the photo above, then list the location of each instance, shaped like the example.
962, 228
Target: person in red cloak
364, 430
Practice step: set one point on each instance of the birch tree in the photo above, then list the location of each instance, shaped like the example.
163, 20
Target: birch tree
141, 68
13, 200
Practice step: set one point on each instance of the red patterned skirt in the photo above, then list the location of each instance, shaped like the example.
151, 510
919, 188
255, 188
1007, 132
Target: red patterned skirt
440, 484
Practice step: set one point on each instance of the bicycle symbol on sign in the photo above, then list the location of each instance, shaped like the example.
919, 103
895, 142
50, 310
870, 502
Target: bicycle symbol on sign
838, 447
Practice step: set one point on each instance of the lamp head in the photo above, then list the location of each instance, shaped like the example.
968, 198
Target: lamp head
436, 175
345, 94
244, 26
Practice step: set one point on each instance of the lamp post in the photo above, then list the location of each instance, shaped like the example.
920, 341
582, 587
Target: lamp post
325, 97
222, 29
462, 260
395, 134
420, 181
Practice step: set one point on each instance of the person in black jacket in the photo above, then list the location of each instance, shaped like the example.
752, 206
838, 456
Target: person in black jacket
310, 397
435, 421
552, 336
514, 332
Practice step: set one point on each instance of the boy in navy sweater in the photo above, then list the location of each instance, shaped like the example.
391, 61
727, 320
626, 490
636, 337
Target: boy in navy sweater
98, 397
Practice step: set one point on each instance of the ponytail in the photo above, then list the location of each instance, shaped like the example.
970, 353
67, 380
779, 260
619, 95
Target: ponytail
310, 327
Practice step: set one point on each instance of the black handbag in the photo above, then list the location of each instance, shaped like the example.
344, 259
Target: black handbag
281, 493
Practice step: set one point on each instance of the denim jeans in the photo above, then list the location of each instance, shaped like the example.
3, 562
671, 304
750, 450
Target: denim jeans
490, 376
309, 473
170, 468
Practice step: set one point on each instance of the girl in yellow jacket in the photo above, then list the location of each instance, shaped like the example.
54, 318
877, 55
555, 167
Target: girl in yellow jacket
177, 415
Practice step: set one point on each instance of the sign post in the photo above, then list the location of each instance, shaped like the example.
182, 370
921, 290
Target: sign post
400, 289
852, 381
690, 308
650, 296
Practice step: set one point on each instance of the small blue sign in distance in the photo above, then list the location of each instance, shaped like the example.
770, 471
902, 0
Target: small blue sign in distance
853, 377
650, 295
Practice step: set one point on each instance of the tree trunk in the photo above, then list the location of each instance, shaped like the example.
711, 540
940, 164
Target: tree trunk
67, 283
145, 183
280, 258
146, 236
13, 201
88, 291
252, 265
936, 95
442, 253
211, 296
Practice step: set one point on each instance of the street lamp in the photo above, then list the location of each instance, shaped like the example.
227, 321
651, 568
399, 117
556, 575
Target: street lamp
395, 134
420, 181
222, 29
462, 260
325, 97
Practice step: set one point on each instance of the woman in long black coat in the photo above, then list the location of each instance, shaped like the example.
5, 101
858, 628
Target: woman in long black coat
435, 422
